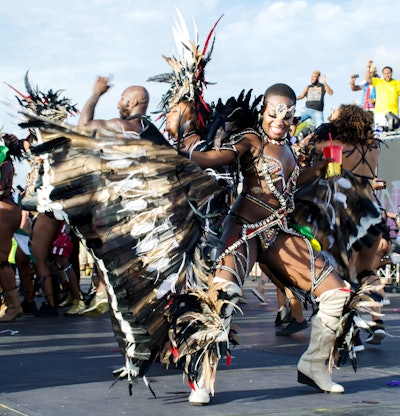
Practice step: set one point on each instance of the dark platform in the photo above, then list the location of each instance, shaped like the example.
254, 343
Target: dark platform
63, 367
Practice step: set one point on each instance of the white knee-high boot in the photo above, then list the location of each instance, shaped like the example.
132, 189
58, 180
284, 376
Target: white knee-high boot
312, 368
200, 394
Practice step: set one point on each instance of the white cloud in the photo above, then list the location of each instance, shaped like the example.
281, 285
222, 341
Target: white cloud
65, 45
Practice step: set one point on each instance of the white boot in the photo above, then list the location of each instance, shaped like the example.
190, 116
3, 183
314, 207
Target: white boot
312, 368
199, 395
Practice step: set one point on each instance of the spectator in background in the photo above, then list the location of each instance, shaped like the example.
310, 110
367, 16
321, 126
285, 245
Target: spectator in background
387, 94
369, 93
315, 94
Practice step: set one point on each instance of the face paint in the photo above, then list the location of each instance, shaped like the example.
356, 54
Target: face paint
281, 111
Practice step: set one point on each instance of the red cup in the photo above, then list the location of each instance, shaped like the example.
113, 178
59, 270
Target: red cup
333, 152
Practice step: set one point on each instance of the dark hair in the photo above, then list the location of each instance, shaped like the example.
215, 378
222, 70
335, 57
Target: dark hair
387, 67
321, 133
282, 90
354, 125
296, 120
14, 146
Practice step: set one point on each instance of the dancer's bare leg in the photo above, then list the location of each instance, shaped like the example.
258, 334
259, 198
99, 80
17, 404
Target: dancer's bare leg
44, 233
290, 258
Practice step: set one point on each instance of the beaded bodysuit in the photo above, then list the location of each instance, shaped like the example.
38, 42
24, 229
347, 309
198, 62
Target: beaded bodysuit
267, 228
276, 221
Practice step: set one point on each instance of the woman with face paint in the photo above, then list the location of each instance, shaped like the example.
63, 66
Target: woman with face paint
257, 229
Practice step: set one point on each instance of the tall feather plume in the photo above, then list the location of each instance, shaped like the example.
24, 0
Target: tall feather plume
187, 80
45, 103
208, 40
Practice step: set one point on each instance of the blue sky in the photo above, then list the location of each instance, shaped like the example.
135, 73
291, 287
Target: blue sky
66, 44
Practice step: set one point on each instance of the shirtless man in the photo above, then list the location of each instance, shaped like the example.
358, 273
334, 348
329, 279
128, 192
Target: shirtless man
132, 108
132, 104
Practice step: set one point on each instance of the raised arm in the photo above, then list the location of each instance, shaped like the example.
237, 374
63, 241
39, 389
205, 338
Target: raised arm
303, 94
368, 77
86, 119
328, 89
353, 85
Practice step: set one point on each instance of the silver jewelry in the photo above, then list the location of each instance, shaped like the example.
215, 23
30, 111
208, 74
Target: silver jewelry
278, 142
281, 142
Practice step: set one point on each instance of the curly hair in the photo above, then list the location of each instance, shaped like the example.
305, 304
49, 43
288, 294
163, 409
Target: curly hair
354, 125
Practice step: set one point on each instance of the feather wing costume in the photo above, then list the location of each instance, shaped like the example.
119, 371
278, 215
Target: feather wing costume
341, 216
339, 210
140, 209
151, 219
144, 212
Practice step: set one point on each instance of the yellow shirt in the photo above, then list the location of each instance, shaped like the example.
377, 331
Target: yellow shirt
387, 95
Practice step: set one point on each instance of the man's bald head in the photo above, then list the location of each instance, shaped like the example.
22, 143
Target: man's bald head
134, 100
132, 106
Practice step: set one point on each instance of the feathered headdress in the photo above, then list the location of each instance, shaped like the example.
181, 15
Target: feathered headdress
47, 104
188, 77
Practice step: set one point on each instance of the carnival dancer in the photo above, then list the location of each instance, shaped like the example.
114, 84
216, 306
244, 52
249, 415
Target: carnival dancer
132, 108
61, 250
257, 229
350, 201
45, 225
182, 126
10, 219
